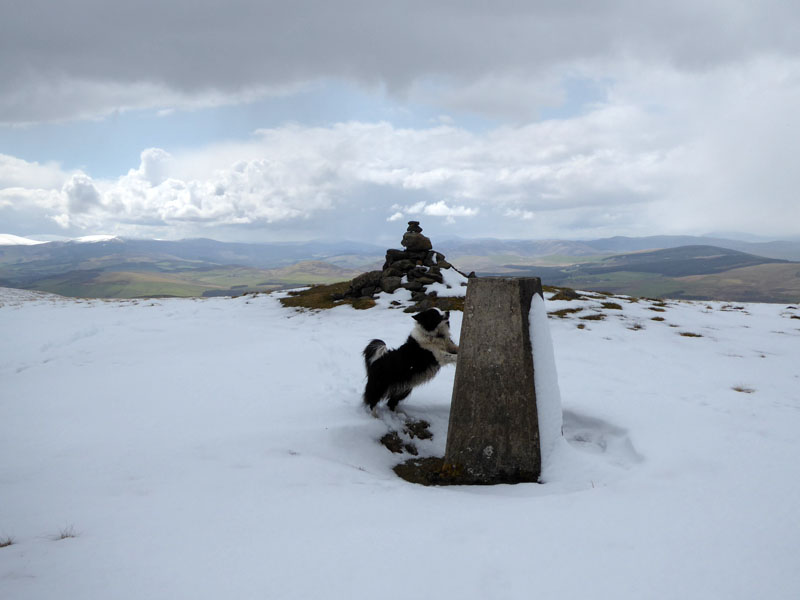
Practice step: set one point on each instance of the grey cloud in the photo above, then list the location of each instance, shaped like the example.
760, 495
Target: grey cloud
152, 52
82, 195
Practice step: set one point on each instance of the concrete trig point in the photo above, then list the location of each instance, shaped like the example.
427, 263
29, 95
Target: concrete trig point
493, 435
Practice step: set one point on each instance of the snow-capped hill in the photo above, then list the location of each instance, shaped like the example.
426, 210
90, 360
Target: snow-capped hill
93, 239
8, 239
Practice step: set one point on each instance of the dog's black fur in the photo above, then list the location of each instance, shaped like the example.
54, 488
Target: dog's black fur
394, 373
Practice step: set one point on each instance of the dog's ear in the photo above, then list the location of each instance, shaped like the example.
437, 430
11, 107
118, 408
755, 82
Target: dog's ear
421, 317
429, 319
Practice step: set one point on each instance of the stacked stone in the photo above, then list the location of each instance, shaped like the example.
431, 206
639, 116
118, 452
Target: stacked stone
418, 263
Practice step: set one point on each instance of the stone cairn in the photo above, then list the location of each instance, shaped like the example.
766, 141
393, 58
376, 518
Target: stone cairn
414, 268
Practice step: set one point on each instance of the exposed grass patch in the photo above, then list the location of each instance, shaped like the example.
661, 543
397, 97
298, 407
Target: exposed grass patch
434, 471
628, 283
423, 471
562, 314
743, 389
450, 303
361, 303
6, 541
594, 317
690, 334
581, 326
728, 307
446, 303
319, 297
636, 327
657, 301
612, 306
656, 309
564, 294
659, 319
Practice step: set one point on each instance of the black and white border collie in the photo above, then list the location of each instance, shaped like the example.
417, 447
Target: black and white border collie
394, 373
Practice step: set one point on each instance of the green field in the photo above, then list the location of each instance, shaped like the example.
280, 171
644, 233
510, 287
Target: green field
167, 279
498, 262
760, 283
650, 285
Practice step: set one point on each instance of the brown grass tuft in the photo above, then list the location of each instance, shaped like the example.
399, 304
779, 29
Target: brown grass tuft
562, 314
66, 533
564, 294
743, 389
612, 306
594, 317
321, 297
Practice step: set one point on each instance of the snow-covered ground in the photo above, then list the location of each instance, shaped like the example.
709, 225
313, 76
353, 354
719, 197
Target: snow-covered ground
217, 449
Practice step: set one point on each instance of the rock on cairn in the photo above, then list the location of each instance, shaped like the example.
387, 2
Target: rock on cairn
414, 268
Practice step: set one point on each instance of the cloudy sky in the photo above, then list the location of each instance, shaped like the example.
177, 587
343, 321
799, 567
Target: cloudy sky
254, 120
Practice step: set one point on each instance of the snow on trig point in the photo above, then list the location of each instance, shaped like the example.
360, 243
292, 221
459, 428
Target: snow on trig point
505, 416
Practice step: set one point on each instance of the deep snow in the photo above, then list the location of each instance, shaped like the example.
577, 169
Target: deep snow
217, 449
549, 412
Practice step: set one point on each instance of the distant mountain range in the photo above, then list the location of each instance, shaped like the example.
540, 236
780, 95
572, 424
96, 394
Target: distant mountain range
786, 250
690, 272
674, 266
121, 268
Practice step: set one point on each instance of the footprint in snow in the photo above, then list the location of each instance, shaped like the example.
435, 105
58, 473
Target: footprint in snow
597, 436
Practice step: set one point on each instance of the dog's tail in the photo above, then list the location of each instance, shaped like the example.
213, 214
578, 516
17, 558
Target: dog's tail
374, 350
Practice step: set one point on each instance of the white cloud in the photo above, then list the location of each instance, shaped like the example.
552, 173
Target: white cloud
15, 172
668, 152
515, 213
154, 166
20, 199
441, 209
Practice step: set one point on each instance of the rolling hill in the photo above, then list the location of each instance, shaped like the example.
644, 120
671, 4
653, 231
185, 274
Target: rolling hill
664, 266
117, 268
690, 272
